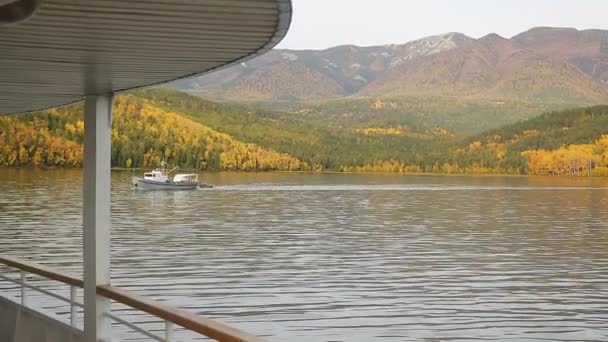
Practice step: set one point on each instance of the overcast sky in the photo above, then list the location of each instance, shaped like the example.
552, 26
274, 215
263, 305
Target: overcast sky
319, 24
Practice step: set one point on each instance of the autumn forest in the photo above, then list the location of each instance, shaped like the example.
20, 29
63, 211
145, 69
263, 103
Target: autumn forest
189, 132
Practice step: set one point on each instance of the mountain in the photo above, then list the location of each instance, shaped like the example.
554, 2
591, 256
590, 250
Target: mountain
310, 74
586, 50
449, 80
545, 64
536, 65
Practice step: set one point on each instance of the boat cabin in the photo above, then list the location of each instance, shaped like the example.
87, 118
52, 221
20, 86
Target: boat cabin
156, 175
186, 178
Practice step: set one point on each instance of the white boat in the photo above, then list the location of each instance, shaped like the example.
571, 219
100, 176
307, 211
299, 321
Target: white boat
159, 179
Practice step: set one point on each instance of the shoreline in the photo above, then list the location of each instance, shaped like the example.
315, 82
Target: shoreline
327, 172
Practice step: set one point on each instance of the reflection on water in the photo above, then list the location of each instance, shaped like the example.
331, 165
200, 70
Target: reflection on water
300, 257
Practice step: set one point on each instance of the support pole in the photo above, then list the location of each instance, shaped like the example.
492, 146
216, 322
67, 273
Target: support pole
73, 305
23, 288
96, 215
168, 331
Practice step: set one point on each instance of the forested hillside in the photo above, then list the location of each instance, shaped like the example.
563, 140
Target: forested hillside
187, 131
466, 116
320, 144
567, 142
142, 135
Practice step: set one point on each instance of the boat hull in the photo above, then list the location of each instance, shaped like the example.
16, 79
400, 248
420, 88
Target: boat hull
145, 184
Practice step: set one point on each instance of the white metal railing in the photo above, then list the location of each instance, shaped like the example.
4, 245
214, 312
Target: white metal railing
24, 286
24, 296
169, 315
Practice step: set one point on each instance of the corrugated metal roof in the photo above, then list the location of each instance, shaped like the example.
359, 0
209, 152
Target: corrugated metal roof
72, 48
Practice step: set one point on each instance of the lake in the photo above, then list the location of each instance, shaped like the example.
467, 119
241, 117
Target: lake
339, 257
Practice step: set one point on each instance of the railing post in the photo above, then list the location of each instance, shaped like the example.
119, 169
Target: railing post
23, 288
73, 305
96, 215
168, 331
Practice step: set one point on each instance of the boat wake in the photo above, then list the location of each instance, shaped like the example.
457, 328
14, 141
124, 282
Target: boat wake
386, 187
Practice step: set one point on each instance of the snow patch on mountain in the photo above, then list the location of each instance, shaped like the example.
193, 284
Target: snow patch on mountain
329, 63
289, 56
426, 47
396, 61
360, 78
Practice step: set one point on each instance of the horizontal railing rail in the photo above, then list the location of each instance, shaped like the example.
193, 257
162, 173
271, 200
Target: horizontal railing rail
204, 326
42, 270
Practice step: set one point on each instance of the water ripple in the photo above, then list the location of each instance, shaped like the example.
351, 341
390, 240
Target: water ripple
339, 257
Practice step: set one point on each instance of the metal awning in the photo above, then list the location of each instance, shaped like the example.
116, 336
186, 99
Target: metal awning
72, 48
54, 52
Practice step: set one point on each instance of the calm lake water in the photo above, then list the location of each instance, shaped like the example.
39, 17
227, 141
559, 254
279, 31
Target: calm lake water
334, 257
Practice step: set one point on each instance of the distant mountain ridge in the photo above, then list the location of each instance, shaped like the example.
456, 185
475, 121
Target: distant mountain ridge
561, 65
